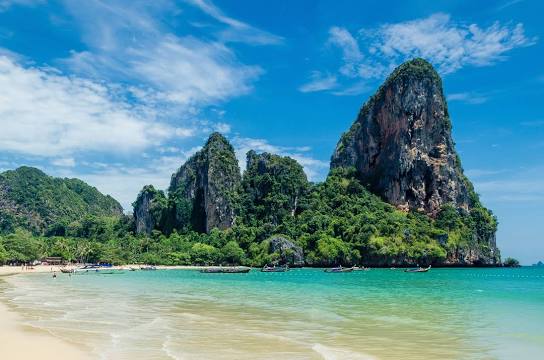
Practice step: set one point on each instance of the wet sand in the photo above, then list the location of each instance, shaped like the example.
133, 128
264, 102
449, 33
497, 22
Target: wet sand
20, 341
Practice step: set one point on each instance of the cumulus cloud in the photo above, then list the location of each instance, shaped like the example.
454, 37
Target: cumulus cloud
64, 162
449, 45
129, 44
47, 114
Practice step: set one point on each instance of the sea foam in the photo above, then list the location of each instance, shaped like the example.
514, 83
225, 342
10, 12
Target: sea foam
329, 353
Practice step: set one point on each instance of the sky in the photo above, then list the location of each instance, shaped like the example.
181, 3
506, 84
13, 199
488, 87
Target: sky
121, 93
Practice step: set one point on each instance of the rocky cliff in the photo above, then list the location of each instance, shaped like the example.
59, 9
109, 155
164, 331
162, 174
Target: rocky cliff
401, 143
149, 210
204, 191
402, 148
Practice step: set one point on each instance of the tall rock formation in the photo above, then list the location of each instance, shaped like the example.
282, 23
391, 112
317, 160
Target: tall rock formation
204, 191
149, 210
401, 143
274, 187
401, 146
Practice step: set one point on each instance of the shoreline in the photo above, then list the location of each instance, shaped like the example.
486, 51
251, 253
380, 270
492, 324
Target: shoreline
17, 336
7, 270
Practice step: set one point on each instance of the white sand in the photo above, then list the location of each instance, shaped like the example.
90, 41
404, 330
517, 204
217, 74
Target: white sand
21, 342
13, 270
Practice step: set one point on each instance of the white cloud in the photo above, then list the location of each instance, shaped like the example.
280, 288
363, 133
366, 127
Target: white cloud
237, 31
351, 54
468, 97
130, 44
315, 169
184, 132
318, 82
223, 128
449, 45
352, 90
190, 71
47, 114
64, 162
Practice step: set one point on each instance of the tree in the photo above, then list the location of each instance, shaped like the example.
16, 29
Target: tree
22, 246
511, 262
232, 253
203, 254
3, 254
332, 250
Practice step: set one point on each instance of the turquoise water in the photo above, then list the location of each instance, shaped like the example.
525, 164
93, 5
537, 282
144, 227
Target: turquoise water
301, 314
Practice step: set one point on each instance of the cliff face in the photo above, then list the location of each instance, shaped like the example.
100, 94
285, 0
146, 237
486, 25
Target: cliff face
149, 210
401, 143
402, 149
205, 189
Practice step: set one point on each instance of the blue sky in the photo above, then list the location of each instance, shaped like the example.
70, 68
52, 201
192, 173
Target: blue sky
121, 95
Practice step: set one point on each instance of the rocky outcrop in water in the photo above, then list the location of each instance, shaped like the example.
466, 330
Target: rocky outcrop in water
204, 191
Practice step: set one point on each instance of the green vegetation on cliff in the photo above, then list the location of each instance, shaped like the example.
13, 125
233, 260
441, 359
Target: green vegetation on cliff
32, 200
338, 222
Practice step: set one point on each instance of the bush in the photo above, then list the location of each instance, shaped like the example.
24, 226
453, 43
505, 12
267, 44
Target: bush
511, 262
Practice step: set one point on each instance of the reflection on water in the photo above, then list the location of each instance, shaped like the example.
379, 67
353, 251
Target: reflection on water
301, 314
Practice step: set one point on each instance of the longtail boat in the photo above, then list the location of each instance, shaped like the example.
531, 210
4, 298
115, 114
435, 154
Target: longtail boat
339, 269
275, 268
226, 270
418, 270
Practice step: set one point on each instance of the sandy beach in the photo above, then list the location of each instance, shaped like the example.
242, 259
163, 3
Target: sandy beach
16, 337
17, 270
21, 341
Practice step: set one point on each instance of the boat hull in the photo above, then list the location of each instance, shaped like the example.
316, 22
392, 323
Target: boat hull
339, 270
225, 271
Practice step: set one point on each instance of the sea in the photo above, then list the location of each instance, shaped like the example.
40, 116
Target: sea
465, 313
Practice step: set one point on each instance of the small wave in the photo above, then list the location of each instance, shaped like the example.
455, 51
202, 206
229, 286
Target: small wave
394, 319
329, 353
167, 349
195, 317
